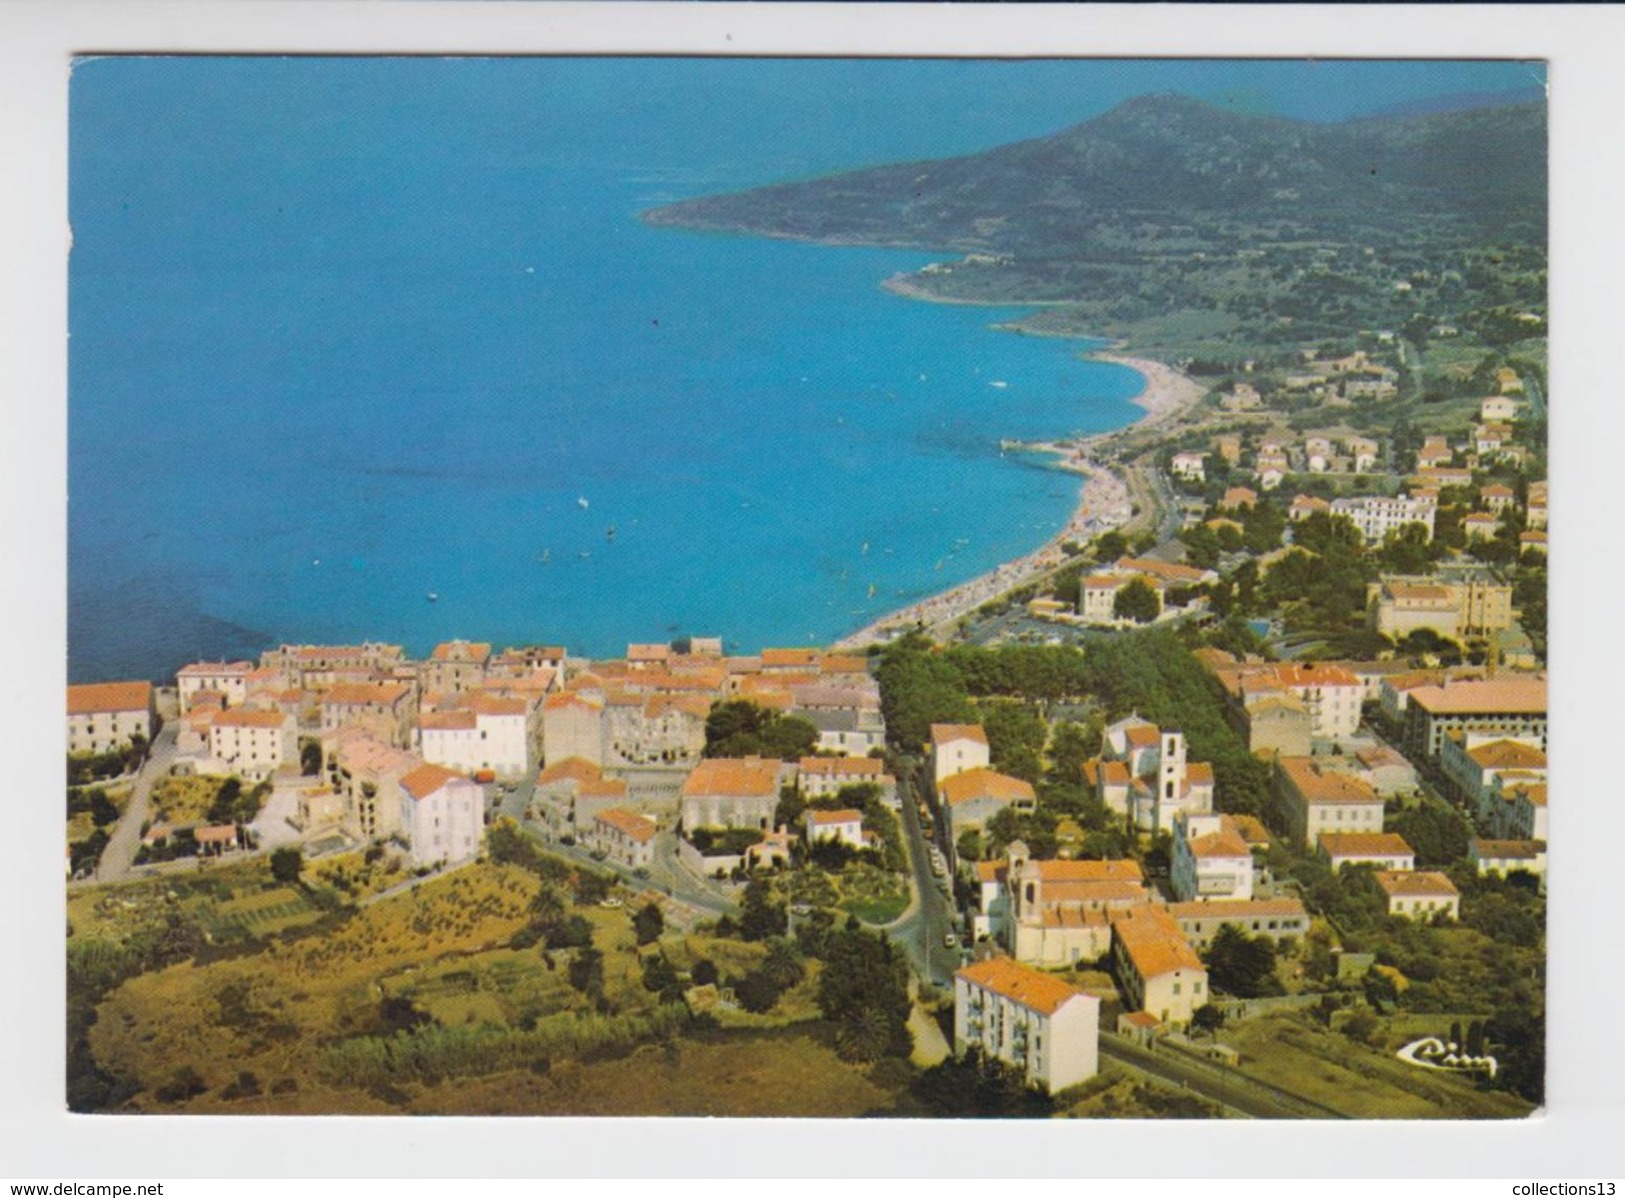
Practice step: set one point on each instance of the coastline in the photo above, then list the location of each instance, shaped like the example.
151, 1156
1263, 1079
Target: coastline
1103, 504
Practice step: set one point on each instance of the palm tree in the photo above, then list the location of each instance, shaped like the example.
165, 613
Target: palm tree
865, 1036
783, 963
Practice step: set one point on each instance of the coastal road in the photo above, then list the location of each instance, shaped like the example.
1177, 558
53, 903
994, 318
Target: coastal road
125, 842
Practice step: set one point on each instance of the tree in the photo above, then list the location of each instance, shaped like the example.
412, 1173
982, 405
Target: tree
761, 917
757, 992
783, 963
740, 728
287, 863
648, 923
1138, 601
1201, 546
1110, 545
1015, 737
863, 989
704, 972
102, 811
1208, 1018
1242, 965
586, 971
969, 845
574, 932
660, 978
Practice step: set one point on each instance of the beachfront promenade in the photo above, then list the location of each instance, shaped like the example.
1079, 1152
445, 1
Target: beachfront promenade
1104, 503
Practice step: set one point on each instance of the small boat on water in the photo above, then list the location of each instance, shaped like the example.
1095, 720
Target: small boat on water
547, 556
609, 533
581, 502
999, 383
433, 596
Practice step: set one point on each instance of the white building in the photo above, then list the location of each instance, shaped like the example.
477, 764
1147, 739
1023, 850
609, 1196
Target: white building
441, 815
956, 748
489, 733
976, 796
1316, 795
1157, 969
1378, 515
253, 743
228, 679
1420, 895
103, 716
821, 776
725, 792
624, 836
1142, 774
1189, 465
1211, 860
1030, 1020
1385, 850
573, 726
845, 826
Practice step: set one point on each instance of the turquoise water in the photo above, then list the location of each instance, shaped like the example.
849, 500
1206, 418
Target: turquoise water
346, 334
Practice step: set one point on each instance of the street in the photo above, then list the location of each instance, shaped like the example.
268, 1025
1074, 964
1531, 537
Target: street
929, 919
125, 842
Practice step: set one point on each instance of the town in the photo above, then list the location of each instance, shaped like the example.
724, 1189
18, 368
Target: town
1235, 808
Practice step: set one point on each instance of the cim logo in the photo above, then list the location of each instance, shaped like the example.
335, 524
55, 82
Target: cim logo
1430, 1052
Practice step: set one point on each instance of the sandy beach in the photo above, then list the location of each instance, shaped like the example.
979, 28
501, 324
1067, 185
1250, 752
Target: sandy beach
1103, 503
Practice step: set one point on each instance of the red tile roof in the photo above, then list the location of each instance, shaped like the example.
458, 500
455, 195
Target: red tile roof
427, 779
99, 697
1490, 696
985, 784
634, 826
744, 777
1406, 884
1040, 992
1364, 844
242, 717
942, 734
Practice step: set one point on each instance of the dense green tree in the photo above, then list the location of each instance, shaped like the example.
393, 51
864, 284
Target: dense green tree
757, 992
1201, 546
1409, 550
1015, 736
762, 917
863, 990
919, 688
1207, 1018
648, 923
102, 811
1262, 525
1110, 545
660, 978
1138, 601
287, 863
740, 728
969, 845
1242, 965
978, 1087
1437, 833
586, 971
783, 963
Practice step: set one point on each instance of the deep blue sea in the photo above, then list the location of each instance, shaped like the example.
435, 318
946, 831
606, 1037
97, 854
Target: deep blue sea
348, 333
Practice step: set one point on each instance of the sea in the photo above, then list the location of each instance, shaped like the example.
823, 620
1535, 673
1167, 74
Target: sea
378, 349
